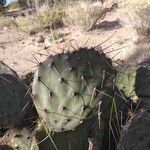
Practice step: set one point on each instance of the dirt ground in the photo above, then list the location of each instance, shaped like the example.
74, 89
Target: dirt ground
23, 52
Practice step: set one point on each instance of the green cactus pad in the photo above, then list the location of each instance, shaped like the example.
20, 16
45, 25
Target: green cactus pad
13, 99
77, 139
136, 133
125, 80
67, 88
68, 140
4, 69
143, 80
16, 139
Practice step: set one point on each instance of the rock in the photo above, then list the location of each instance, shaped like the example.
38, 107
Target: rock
61, 40
5, 28
47, 42
41, 39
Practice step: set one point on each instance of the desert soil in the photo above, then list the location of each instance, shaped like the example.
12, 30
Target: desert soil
23, 52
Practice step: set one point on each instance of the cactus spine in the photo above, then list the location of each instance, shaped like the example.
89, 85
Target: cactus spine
67, 88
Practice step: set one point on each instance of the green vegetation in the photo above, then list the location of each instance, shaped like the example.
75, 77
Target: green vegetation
78, 99
83, 15
135, 15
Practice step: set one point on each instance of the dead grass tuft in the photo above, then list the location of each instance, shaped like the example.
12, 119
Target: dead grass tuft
83, 14
135, 15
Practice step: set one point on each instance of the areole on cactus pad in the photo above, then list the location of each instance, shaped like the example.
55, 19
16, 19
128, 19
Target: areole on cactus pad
68, 88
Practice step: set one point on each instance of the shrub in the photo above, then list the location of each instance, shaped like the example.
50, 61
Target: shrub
50, 16
46, 18
135, 15
83, 14
5, 21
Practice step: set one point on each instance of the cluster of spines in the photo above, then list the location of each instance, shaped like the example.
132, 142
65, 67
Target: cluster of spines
84, 78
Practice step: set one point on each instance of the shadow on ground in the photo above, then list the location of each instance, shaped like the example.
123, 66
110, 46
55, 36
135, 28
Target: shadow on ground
108, 25
141, 54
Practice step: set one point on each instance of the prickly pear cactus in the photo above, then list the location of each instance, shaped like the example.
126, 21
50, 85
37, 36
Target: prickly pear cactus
136, 133
143, 80
4, 69
74, 140
16, 139
68, 88
125, 80
133, 80
13, 99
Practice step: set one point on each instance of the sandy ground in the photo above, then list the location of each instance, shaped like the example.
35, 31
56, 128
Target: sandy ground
23, 52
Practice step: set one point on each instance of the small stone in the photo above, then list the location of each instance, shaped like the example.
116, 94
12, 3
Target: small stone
5, 28
3, 47
47, 42
41, 39
32, 32
61, 40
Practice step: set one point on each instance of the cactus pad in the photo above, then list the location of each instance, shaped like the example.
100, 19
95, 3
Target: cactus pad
4, 69
143, 80
74, 140
16, 139
125, 80
136, 133
13, 99
67, 88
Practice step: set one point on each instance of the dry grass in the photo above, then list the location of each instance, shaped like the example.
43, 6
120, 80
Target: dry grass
55, 35
50, 16
14, 7
5, 21
27, 24
20, 23
135, 15
83, 14
46, 17
80, 14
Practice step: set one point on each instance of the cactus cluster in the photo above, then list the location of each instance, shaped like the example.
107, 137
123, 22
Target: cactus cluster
79, 97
